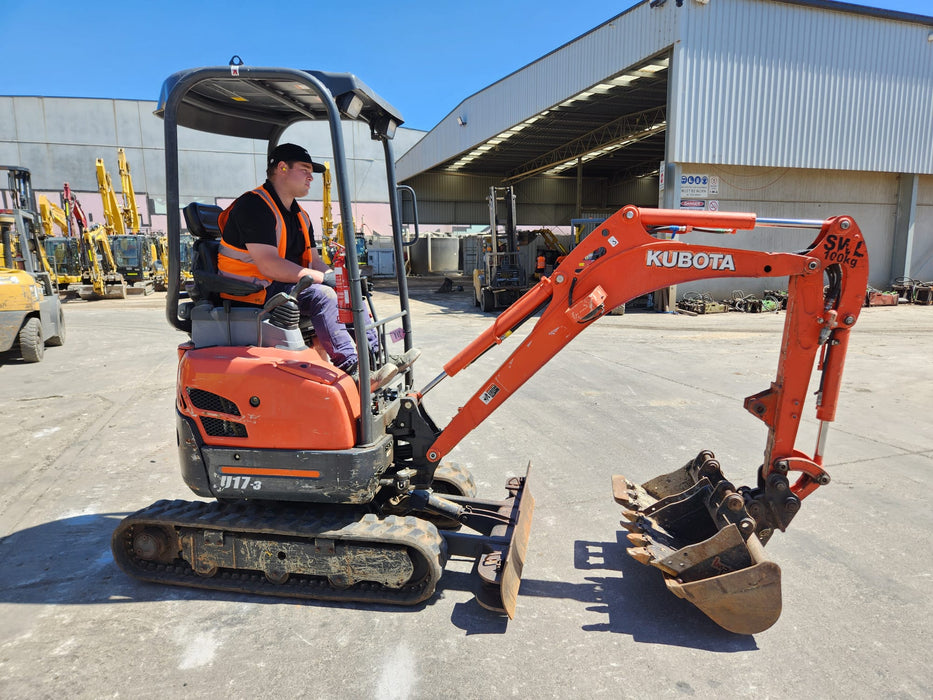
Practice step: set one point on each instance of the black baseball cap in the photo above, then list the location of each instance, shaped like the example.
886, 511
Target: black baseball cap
291, 153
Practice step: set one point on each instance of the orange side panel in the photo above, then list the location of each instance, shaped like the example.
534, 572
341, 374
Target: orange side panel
286, 399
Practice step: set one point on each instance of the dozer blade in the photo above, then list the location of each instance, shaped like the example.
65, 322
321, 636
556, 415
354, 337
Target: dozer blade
499, 565
685, 524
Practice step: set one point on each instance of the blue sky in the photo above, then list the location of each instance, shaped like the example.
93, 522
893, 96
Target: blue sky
424, 57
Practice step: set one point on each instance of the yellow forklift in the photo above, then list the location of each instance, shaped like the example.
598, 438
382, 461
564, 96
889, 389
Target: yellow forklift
31, 314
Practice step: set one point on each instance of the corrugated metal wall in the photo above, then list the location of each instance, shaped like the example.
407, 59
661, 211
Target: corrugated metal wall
870, 198
771, 84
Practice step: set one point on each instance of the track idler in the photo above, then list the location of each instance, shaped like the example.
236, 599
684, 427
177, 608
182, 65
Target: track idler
693, 525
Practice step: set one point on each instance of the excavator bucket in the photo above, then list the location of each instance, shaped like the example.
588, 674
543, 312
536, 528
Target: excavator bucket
693, 526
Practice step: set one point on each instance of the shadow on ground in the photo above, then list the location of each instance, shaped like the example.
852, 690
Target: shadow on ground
69, 562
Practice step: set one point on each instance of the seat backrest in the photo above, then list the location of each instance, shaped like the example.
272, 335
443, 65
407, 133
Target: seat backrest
208, 283
202, 219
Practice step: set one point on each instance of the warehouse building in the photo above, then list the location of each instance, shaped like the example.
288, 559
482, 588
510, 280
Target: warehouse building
788, 108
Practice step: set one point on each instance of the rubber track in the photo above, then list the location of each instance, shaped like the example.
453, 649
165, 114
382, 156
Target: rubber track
421, 539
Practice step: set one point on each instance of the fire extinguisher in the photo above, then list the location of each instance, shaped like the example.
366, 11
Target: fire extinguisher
342, 287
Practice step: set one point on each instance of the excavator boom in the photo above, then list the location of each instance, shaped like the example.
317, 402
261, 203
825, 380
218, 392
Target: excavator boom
695, 516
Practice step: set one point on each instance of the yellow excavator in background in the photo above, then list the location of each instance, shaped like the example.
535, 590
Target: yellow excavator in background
62, 252
100, 277
327, 217
160, 256
97, 275
134, 252
332, 236
31, 314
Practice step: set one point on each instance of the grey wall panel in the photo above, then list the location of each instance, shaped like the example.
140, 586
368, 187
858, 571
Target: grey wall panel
870, 198
64, 119
922, 257
127, 124
29, 120
773, 84
7, 120
59, 140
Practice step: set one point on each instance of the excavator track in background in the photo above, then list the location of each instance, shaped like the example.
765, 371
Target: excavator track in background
289, 550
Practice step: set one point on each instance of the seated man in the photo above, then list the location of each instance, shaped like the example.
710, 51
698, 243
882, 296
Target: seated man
268, 239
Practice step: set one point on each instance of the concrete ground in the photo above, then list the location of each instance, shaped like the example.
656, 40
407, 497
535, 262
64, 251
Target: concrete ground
89, 437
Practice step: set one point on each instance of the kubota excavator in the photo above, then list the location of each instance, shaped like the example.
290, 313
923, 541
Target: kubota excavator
351, 499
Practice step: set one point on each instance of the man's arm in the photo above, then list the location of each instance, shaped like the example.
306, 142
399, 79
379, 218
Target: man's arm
317, 262
272, 266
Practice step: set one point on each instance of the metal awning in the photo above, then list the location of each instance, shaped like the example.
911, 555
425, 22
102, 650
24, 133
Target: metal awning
616, 129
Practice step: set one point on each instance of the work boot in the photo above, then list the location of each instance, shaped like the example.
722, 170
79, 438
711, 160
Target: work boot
377, 378
406, 359
382, 376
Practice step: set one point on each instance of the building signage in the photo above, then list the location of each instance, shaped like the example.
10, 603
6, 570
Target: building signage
692, 204
695, 186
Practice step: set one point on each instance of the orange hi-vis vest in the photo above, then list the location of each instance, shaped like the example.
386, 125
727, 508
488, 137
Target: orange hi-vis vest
239, 264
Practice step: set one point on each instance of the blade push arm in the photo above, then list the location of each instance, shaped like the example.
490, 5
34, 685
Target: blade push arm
621, 260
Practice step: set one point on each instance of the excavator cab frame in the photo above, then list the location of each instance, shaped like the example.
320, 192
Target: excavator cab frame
263, 103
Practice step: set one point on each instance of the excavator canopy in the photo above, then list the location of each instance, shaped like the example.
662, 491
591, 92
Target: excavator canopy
257, 103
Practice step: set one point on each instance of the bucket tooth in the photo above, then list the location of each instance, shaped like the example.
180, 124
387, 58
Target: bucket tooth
630, 515
637, 539
641, 555
630, 526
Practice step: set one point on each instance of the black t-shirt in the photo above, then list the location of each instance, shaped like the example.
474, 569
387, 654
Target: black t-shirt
251, 221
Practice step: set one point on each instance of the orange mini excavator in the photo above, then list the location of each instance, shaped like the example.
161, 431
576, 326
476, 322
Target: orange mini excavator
323, 488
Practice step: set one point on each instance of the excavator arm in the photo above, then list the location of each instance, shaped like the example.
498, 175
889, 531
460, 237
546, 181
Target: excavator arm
52, 216
112, 214
624, 259
129, 211
73, 209
327, 217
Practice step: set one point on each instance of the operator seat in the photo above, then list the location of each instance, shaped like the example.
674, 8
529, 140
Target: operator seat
216, 320
208, 283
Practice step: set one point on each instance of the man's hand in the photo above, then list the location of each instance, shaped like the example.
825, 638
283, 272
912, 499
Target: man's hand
316, 275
